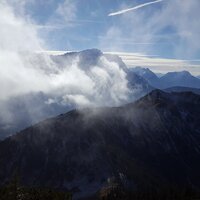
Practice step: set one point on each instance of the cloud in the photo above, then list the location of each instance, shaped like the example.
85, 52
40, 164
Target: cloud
17, 35
23, 71
35, 86
153, 62
67, 10
171, 30
161, 65
103, 83
133, 8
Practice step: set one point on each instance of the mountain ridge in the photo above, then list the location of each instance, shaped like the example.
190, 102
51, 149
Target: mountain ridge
26, 109
153, 142
170, 79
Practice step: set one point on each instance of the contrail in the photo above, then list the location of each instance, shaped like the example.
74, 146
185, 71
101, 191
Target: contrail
134, 8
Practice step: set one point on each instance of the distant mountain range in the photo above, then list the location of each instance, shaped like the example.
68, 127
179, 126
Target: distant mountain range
147, 74
183, 89
21, 111
184, 79
171, 79
90, 58
150, 144
159, 75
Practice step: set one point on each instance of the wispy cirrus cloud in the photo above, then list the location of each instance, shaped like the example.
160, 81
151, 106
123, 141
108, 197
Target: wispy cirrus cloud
153, 62
67, 10
171, 30
158, 64
133, 8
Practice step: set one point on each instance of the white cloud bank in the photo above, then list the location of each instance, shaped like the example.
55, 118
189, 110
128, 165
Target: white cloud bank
22, 72
16, 35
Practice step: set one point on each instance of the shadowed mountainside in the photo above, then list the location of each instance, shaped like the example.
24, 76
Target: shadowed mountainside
152, 143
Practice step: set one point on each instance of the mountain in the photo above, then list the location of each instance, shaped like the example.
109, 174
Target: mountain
150, 144
138, 85
171, 79
90, 58
159, 75
147, 74
184, 79
87, 59
183, 89
20, 111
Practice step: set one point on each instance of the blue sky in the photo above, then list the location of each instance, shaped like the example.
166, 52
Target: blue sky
168, 29
81, 24
162, 36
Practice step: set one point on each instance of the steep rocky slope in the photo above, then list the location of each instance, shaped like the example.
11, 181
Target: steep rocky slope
152, 143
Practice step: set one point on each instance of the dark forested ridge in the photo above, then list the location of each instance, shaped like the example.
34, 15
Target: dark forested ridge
113, 191
144, 150
14, 191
